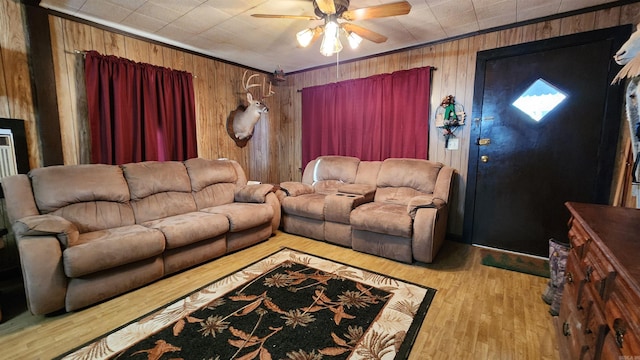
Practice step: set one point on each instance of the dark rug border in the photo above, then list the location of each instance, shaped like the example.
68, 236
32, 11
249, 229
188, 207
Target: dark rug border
403, 352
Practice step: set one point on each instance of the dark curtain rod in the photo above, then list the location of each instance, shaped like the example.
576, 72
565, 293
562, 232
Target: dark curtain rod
433, 68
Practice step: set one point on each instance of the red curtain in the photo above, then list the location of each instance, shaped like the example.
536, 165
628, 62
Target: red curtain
138, 111
373, 118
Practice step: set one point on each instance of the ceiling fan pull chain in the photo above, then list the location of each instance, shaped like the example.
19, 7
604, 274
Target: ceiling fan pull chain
337, 66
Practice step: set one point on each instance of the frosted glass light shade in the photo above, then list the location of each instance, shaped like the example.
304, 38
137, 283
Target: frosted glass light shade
330, 41
304, 37
354, 40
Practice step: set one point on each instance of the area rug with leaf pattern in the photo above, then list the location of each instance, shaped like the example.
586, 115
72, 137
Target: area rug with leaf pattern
289, 305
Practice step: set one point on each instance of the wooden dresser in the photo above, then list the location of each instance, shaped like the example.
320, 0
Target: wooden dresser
600, 310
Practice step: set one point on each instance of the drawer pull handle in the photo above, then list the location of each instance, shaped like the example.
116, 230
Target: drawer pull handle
565, 329
587, 275
569, 277
619, 338
620, 329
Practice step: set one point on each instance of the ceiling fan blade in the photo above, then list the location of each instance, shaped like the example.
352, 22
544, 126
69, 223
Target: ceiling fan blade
364, 33
297, 17
378, 11
326, 6
317, 33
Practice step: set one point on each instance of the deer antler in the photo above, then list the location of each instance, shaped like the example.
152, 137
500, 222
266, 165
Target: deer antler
269, 92
246, 84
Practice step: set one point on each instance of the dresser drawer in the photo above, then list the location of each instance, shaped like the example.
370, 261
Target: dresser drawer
572, 323
622, 314
610, 349
596, 325
578, 237
598, 272
574, 279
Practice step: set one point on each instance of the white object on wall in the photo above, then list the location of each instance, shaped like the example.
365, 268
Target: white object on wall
8, 164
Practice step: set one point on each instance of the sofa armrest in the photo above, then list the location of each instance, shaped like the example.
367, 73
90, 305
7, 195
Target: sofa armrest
294, 188
429, 229
38, 225
358, 189
272, 199
19, 197
424, 201
444, 183
255, 193
45, 284
338, 206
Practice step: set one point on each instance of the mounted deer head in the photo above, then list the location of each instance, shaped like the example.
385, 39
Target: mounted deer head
245, 120
629, 56
629, 49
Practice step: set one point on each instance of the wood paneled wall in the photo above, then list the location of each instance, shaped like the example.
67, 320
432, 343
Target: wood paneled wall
16, 98
274, 152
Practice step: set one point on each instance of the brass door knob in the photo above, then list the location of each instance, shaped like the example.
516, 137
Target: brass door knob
484, 158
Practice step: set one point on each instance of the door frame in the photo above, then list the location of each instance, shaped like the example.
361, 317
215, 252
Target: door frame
613, 110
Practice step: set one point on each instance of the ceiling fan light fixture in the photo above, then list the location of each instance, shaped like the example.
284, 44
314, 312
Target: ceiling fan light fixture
304, 37
330, 46
331, 40
354, 40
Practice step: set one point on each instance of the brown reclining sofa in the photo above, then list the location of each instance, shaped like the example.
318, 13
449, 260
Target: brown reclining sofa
396, 208
86, 233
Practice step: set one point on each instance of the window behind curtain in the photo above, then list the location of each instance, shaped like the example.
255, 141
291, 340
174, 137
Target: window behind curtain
374, 118
138, 111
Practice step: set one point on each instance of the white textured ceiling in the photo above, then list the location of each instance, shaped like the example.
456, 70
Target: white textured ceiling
225, 29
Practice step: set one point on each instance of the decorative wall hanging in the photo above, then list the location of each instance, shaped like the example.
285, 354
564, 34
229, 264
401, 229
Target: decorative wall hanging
449, 116
278, 74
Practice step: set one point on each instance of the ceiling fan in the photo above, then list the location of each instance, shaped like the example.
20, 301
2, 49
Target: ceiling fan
331, 11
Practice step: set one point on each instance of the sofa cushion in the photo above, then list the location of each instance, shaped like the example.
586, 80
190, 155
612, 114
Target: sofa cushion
341, 168
204, 172
327, 187
97, 215
309, 206
105, 249
152, 177
55, 187
368, 172
92, 197
213, 181
163, 205
189, 228
159, 189
243, 216
214, 195
331, 172
384, 218
397, 195
417, 174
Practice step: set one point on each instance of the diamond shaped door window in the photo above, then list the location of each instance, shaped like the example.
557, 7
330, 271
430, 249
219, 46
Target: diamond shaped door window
539, 99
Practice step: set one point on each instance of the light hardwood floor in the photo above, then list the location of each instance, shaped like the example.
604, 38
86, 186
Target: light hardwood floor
479, 312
